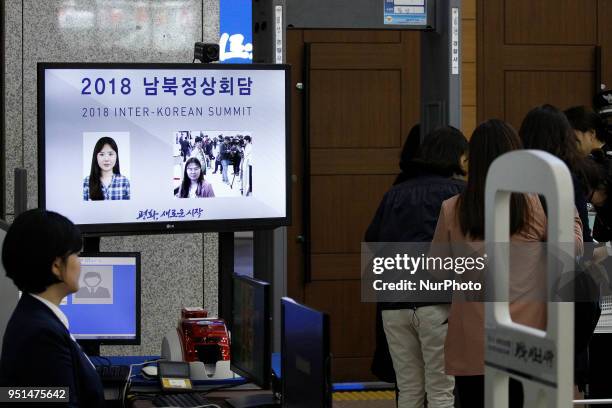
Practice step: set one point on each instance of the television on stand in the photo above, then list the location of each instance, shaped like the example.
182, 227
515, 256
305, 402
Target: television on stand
154, 148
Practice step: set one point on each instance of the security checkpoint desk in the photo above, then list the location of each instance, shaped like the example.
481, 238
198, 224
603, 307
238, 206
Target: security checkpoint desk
236, 387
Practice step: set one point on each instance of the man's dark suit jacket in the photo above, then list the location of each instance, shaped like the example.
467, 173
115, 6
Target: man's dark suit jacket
37, 350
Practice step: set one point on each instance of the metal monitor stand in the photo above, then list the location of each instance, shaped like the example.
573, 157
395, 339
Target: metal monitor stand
441, 69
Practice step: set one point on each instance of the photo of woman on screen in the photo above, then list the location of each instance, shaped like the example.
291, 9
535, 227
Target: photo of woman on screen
193, 184
105, 181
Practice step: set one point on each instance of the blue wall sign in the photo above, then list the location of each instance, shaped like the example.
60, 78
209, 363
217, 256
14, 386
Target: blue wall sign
236, 41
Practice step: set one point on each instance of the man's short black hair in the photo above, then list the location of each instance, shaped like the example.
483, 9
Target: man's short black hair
198, 139
92, 274
34, 240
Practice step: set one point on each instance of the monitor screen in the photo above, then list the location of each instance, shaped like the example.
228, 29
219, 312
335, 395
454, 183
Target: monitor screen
106, 308
137, 148
305, 357
250, 341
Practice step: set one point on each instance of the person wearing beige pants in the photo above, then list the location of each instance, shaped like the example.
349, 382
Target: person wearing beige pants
416, 342
408, 213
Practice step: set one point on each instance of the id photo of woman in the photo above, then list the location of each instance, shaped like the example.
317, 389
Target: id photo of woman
105, 180
193, 184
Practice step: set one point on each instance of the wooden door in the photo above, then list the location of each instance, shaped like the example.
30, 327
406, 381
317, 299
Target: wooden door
544, 51
360, 96
604, 40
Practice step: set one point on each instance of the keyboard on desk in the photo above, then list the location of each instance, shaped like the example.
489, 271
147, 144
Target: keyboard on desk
113, 373
187, 399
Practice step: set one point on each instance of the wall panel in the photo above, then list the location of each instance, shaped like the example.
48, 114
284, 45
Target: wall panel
342, 208
468, 65
527, 89
113, 31
13, 96
532, 22
468, 84
361, 117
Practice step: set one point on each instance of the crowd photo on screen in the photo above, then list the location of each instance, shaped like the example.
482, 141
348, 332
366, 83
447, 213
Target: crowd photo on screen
212, 163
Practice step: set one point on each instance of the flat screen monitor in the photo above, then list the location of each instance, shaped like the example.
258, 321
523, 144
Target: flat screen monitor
250, 342
106, 308
305, 357
150, 148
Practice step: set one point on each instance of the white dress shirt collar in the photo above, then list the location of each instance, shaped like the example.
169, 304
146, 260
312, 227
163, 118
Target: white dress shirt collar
60, 315
54, 308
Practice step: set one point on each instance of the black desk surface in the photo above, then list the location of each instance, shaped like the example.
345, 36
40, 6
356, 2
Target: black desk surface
217, 397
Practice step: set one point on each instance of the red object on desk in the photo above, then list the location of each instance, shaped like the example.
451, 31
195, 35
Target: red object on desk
203, 339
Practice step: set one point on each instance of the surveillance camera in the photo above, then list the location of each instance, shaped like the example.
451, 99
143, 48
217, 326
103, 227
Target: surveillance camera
206, 52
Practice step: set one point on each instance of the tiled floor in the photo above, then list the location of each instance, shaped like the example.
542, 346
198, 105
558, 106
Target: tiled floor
364, 399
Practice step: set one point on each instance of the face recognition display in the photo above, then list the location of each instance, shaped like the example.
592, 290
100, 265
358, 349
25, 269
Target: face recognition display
108, 286
166, 147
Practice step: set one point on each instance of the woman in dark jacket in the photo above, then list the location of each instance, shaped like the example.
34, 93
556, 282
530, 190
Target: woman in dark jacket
415, 332
40, 256
382, 366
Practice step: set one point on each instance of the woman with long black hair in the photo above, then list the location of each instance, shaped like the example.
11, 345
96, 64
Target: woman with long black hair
105, 181
193, 184
462, 220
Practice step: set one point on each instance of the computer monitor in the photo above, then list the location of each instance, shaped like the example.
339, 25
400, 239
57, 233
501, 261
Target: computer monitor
155, 148
305, 357
106, 308
250, 341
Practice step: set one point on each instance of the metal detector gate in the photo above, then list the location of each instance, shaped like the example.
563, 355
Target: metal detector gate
547, 385
440, 23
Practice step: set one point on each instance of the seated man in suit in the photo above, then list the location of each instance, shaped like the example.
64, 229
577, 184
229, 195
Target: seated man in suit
40, 256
